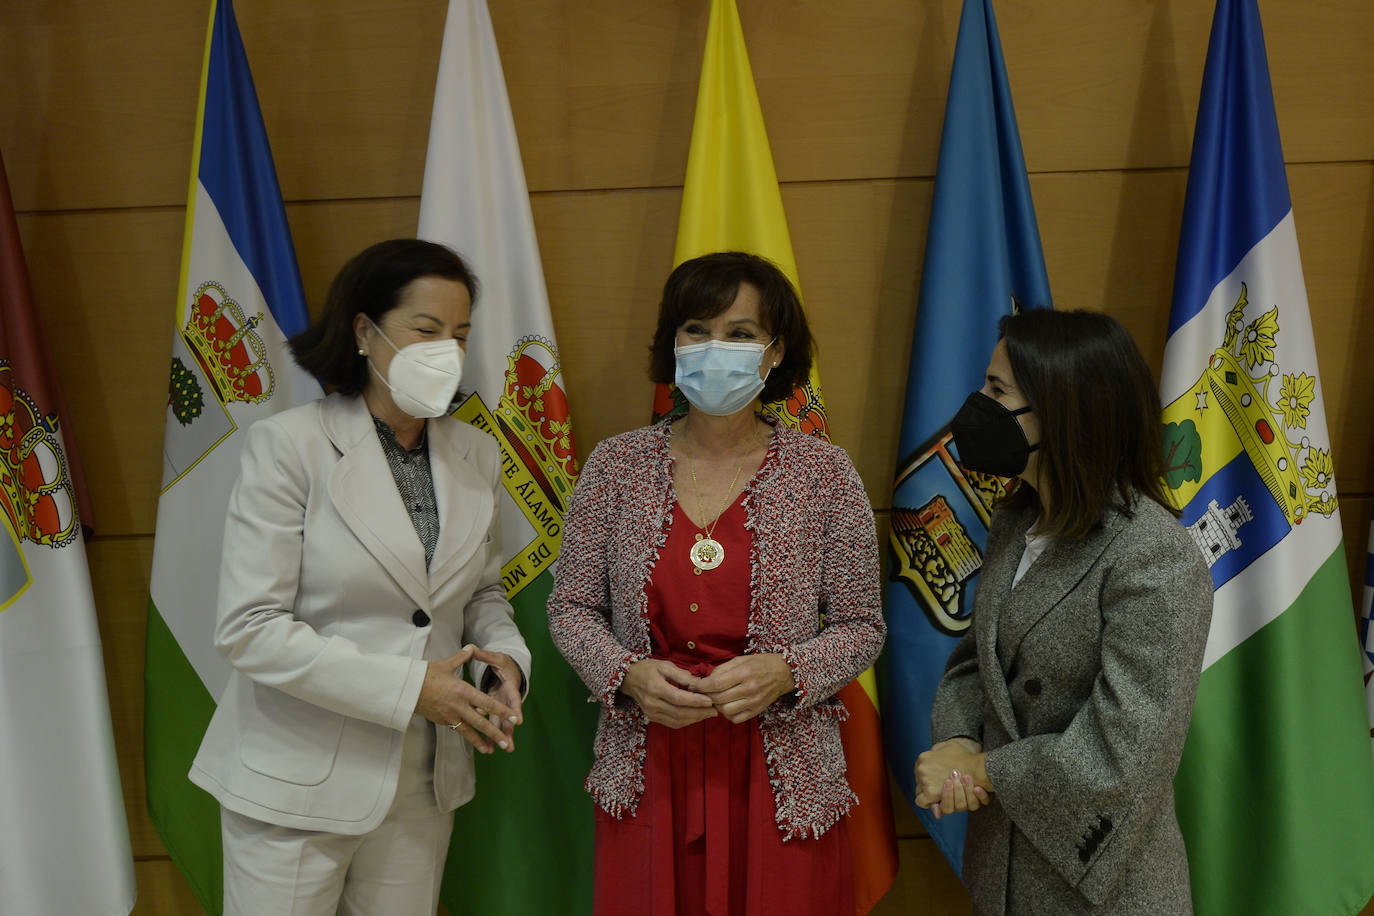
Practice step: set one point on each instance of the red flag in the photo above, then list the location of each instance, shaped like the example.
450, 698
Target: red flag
21, 341
65, 845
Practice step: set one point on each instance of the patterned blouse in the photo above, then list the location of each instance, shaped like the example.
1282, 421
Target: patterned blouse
415, 482
815, 554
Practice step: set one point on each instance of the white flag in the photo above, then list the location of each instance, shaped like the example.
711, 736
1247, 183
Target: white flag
531, 816
64, 842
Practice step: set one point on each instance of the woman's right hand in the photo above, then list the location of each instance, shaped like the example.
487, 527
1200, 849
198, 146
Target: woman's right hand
447, 699
657, 686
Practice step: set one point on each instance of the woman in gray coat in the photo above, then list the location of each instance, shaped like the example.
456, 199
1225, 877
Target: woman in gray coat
1062, 713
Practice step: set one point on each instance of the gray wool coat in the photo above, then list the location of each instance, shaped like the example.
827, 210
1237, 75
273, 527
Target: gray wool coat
1079, 683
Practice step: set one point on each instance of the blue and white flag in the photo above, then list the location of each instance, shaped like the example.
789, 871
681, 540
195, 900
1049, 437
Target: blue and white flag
982, 259
238, 299
1275, 793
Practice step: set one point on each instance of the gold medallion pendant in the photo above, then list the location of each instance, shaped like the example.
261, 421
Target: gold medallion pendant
707, 553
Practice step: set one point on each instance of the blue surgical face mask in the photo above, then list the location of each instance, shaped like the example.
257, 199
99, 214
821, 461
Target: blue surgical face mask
720, 377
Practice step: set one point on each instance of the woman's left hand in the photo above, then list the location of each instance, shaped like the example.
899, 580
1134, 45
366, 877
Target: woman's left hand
746, 685
505, 688
940, 777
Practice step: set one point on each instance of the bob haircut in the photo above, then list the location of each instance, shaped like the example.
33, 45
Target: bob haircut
706, 286
371, 283
1099, 412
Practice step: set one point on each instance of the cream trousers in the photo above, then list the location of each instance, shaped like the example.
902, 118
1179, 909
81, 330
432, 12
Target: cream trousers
395, 869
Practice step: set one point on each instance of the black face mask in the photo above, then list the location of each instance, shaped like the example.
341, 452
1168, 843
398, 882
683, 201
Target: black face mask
988, 437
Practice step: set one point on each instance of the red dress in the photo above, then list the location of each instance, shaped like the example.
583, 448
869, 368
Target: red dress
704, 839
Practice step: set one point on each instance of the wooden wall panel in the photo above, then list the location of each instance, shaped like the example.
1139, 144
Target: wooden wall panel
119, 574
98, 100
163, 891
925, 883
105, 285
603, 91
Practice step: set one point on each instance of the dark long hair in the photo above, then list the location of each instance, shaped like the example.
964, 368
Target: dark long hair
705, 286
1099, 415
371, 283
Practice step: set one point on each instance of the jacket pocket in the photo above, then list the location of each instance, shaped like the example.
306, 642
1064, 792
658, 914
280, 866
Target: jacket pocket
289, 739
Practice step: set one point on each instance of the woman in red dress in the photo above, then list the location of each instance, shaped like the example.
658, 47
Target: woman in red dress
717, 585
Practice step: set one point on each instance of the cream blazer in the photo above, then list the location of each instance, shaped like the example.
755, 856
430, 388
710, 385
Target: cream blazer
328, 615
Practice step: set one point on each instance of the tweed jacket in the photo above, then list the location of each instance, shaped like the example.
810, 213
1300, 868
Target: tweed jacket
328, 615
1079, 682
814, 556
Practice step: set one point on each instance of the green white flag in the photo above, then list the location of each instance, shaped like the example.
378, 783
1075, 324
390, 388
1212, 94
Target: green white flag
1275, 793
524, 845
238, 299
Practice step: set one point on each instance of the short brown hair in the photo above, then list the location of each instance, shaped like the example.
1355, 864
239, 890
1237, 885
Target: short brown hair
706, 286
371, 283
1099, 412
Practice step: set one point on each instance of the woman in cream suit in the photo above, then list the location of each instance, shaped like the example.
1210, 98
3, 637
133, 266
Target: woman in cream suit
1062, 713
360, 575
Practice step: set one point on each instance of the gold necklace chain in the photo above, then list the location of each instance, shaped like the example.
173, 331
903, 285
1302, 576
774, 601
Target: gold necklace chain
707, 553
711, 527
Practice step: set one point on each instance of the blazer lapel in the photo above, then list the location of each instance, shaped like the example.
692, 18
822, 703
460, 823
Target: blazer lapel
365, 496
465, 501
994, 585
1057, 572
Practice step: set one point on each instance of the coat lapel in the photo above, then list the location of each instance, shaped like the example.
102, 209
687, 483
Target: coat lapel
994, 585
365, 496
465, 501
1057, 572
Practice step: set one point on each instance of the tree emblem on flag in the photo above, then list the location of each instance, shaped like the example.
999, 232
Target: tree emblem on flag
184, 395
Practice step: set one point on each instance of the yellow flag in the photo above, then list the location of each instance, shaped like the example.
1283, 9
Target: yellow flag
730, 202
730, 199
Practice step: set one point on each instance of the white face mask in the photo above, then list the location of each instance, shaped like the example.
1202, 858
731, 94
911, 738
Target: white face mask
423, 377
720, 377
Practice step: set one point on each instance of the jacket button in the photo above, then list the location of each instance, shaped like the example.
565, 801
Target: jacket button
1033, 686
693, 607
420, 618
691, 645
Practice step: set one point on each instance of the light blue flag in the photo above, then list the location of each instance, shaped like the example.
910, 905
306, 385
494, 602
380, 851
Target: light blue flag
982, 256
239, 297
1280, 707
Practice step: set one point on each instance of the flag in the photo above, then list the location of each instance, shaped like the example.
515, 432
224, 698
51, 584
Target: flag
982, 259
1280, 710
524, 844
731, 202
64, 847
239, 297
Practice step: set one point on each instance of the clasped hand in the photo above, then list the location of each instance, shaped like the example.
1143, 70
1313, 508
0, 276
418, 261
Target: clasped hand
739, 689
952, 777
483, 718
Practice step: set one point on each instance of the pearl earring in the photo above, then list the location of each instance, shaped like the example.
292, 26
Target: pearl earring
362, 352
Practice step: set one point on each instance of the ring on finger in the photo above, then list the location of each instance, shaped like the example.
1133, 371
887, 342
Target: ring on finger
458, 726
